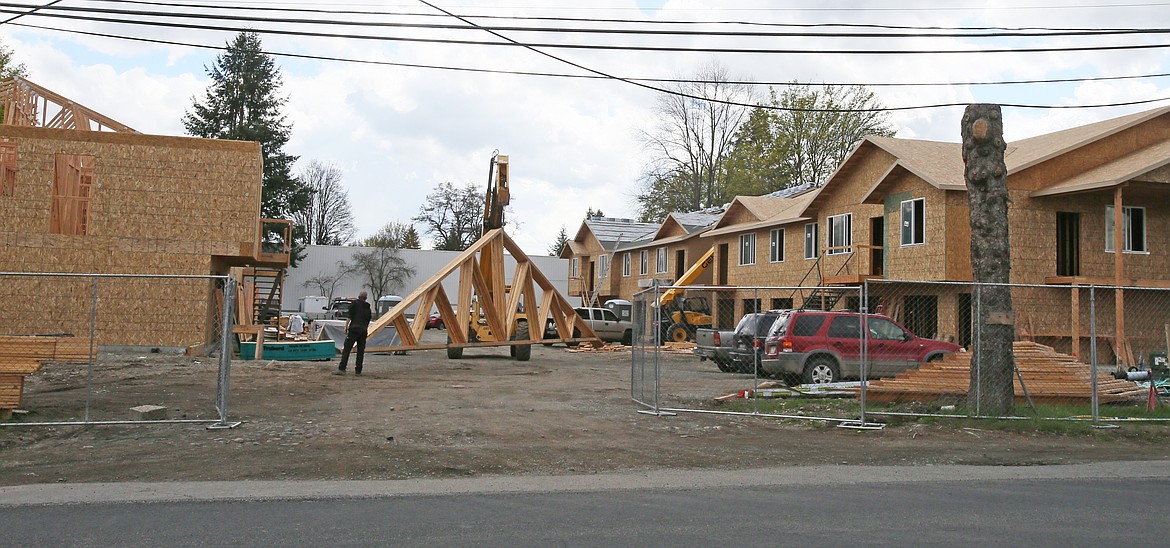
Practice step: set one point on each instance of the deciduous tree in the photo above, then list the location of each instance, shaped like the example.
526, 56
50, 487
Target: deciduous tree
689, 144
453, 217
328, 220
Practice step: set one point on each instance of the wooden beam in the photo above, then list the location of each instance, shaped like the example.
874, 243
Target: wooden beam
1076, 321
1119, 272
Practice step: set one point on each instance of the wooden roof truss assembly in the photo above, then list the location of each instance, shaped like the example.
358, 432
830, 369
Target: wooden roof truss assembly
487, 311
28, 104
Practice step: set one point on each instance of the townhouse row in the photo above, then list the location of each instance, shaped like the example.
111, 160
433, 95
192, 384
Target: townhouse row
897, 209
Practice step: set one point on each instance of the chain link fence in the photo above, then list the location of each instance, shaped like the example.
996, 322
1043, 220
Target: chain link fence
81, 349
1095, 353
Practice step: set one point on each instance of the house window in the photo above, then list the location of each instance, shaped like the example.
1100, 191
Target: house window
603, 263
573, 268
660, 260
1133, 229
747, 249
776, 248
644, 267
626, 264
840, 237
7, 168
72, 190
810, 241
914, 222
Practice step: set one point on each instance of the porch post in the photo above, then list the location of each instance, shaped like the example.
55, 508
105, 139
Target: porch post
1118, 274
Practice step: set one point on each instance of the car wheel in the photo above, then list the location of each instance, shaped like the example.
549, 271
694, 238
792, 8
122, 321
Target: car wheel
628, 337
724, 365
679, 332
820, 370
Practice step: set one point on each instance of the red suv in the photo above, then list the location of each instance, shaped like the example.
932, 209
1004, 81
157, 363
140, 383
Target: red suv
820, 347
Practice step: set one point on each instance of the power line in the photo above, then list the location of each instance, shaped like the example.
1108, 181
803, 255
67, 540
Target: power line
555, 45
924, 32
636, 79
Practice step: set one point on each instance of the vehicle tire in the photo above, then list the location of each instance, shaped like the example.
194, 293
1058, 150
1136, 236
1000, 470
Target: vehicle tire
453, 353
679, 332
628, 337
522, 352
820, 370
724, 365
576, 334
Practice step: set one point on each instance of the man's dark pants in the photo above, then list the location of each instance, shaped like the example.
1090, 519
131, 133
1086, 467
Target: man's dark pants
353, 336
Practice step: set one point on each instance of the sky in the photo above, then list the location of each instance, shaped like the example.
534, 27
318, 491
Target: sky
397, 132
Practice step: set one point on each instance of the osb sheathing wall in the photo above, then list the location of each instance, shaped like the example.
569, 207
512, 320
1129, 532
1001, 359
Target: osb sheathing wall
843, 194
693, 248
160, 205
929, 260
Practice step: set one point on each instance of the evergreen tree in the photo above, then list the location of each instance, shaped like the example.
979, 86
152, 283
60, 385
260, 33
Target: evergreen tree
559, 245
410, 240
242, 104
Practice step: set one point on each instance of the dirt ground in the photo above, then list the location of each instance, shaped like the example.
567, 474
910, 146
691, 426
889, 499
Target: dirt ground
422, 415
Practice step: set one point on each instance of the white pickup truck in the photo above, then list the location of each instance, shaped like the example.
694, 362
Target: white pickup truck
604, 323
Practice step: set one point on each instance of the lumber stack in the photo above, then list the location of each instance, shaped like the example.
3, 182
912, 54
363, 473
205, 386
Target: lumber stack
21, 356
1050, 377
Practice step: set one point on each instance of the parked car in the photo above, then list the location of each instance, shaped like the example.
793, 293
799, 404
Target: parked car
434, 321
812, 346
747, 345
603, 321
715, 345
339, 308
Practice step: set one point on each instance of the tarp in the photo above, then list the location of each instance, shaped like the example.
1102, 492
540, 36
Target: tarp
335, 331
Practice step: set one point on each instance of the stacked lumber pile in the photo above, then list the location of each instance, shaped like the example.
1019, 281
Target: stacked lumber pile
21, 356
1049, 376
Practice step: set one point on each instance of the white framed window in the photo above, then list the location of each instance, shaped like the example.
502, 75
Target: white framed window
747, 249
660, 260
574, 267
914, 222
839, 238
1133, 229
810, 241
776, 246
603, 266
626, 260
644, 266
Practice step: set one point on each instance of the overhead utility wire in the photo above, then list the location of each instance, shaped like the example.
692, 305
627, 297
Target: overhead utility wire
597, 77
613, 31
749, 105
513, 43
34, 9
612, 20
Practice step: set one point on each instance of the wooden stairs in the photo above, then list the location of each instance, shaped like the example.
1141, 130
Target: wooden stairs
1050, 377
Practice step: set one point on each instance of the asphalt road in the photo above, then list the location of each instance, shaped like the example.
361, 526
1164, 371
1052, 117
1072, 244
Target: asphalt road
1083, 505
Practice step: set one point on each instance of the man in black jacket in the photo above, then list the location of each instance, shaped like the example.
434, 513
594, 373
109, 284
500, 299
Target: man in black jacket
356, 326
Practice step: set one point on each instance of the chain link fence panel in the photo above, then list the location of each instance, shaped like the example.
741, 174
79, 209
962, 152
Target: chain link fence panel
97, 348
929, 349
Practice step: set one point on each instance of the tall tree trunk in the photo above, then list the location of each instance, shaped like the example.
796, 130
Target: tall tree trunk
992, 391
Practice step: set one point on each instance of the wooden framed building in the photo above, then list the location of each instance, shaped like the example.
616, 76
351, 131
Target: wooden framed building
84, 194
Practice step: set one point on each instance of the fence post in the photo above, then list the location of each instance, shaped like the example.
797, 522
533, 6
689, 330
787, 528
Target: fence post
978, 344
1093, 352
92, 356
864, 299
225, 354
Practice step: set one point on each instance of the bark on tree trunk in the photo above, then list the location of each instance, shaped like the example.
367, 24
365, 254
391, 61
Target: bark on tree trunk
992, 391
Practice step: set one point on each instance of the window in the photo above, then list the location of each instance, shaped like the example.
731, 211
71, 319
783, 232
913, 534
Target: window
603, 266
747, 249
72, 190
914, 222
660, 260
7, 168
776, 248
807, 326
840, 236
1133, 229
781, 303
644, 267
845, 327
884, 330
573, 268
751, 305
608, 315
810, 241
626, 264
